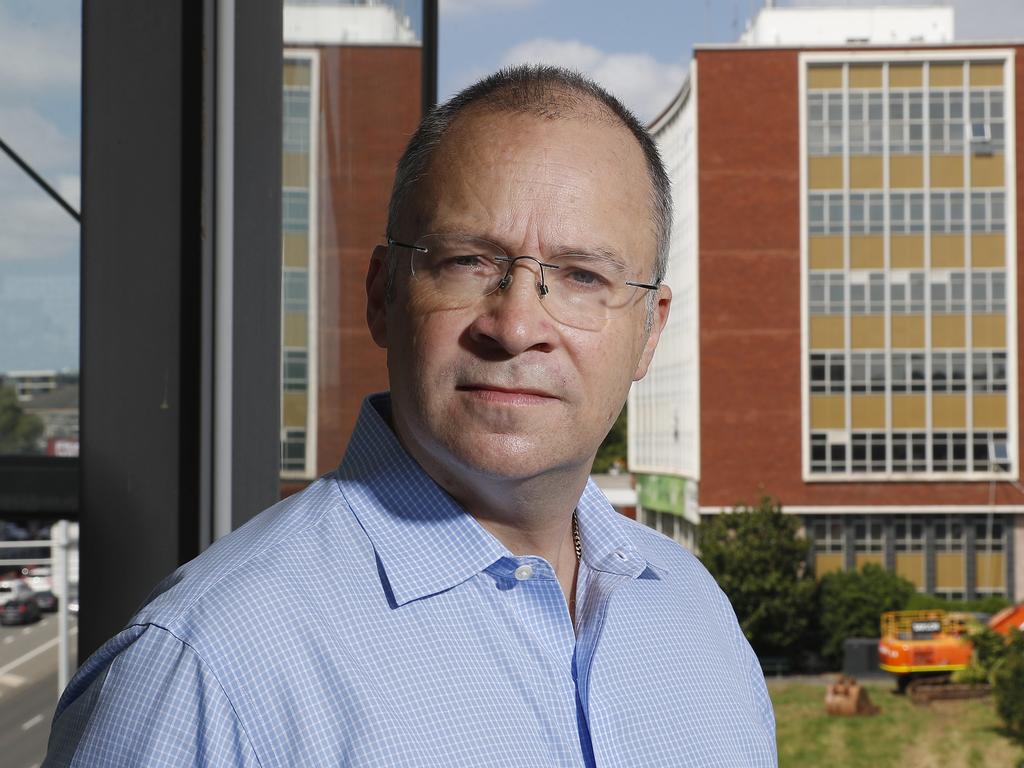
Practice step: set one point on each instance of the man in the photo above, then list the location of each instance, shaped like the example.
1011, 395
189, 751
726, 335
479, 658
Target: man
458, 593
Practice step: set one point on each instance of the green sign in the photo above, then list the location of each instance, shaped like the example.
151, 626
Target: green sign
664, 493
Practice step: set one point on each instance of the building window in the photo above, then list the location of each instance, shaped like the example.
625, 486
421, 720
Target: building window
825, 123
295, 210
295, 290
906, 122
867, 372
908, 534
990, 452
909, 452
947, 207
949, 451
988, 292
906, 292
946, 121
867, 298
825, 213
867, 452
949, 534
827, 293
828, 372
906, 212
828, 534
948, 292
828, 455
988, 211
989, 533
908, 372
293, 450
987, 120
867, 213
296, 370
949, 371
295, 130
866, 126
988, 371
868, 535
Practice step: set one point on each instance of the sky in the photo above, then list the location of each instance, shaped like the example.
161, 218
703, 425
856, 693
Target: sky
638, 49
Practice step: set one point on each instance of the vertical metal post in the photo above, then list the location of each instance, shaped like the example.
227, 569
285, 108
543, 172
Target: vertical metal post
59, 554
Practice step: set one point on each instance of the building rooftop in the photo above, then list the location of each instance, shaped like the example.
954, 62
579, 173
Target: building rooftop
326, 22
879, 25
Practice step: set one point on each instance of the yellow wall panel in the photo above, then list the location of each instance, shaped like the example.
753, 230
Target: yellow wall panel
949, 411
293, 406
986, 73
827, 332
988, 250
988, 331
867, 251
825, 172
990, 570
866, 76
296, 73
905, 76
826, 252
825, 77
948, 331
908, 412
827, 562
296, 329
910, 565
990, 411
294, 170
867, 332
908, 332
828, 412
987, 170
906, 251
866, 172
949, 570
867, 411
947, 171
906, 171
868, 558
947, 250
946, 75
296, 249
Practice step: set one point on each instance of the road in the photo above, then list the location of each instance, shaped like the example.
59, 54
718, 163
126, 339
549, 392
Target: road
28, 689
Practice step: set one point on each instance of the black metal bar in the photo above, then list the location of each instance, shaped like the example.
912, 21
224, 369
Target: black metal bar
430, 36
40, 181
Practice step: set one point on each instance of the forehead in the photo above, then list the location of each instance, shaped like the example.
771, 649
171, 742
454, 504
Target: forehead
567, 181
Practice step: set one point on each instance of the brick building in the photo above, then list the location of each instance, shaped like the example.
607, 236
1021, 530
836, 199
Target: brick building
352, 98
847, 265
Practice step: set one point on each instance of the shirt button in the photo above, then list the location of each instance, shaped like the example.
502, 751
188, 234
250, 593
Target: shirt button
523, 572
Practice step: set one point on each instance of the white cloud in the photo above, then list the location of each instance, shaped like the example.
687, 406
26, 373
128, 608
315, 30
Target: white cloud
640, 81
38, 56
988, 19
466, 7
37, 140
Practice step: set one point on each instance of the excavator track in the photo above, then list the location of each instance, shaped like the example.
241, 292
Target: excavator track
923, 692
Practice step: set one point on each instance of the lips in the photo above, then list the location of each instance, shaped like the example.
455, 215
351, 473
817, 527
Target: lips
507, 394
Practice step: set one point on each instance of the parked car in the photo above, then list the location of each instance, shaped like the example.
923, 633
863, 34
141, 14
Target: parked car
47, 601
14, 589
22, 611
38, 577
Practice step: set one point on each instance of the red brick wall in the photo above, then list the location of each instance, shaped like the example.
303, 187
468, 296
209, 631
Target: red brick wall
370, 105
749, 230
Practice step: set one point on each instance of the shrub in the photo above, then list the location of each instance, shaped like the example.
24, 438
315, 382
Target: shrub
990, 605
1008, 685
852, 603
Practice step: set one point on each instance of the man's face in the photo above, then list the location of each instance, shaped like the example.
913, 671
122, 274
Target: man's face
500, 388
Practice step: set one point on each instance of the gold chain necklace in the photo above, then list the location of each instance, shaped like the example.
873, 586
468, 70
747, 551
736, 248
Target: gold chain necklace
576, 537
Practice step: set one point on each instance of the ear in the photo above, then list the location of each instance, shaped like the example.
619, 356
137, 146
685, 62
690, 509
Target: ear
663, 302
376, 296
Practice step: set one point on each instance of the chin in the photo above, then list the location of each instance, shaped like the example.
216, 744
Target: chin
505, 456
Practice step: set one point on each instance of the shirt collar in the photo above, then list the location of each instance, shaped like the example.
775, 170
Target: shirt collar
425, 542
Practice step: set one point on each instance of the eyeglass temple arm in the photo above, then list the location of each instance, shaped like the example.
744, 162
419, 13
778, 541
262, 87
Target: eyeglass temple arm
419, 248
648, 286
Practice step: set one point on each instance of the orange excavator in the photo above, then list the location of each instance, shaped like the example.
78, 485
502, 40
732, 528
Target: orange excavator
923, 648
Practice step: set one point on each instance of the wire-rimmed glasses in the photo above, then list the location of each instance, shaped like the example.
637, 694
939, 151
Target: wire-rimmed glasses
581, 290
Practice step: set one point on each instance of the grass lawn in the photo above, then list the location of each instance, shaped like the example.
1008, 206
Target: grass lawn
945, 733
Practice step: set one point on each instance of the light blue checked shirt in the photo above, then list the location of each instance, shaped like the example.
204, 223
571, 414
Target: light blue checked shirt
369, 621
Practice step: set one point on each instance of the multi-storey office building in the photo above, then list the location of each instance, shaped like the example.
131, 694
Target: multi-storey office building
856, 227
352, 98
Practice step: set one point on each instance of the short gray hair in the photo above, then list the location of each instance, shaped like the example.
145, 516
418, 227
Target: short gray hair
547, 92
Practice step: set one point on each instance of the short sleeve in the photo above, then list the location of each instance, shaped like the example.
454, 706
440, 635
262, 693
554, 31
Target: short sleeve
154, 703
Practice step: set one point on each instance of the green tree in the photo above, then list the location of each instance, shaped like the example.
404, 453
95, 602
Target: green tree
19, 431
852, 603
759, 560
613, 449
1008, 685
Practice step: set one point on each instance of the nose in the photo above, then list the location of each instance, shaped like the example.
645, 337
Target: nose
512, 318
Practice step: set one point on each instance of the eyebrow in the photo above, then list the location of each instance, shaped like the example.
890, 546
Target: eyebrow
598, 252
